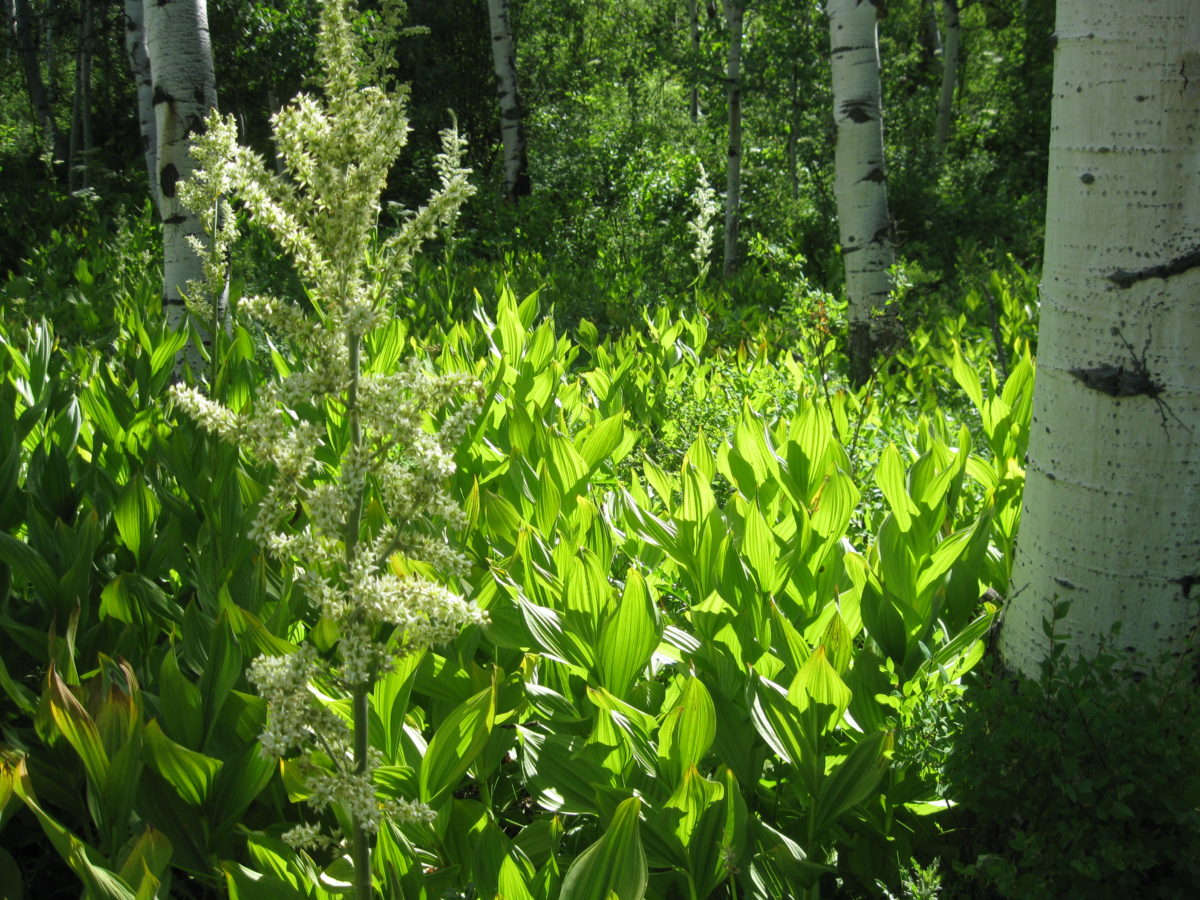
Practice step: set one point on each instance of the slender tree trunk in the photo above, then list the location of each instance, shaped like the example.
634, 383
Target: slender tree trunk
950, 57
177, 43
21, 22
860, 180
694, 25
793, 142
734, 14
512, 128
81, 104
139, 65
1111, 514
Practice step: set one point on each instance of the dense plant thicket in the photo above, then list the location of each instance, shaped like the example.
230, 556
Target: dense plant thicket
727, 619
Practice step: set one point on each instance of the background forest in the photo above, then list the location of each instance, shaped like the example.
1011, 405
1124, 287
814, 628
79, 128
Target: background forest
580, 555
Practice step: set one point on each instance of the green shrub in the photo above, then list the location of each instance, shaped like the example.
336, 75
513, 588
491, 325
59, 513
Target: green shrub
1082, 783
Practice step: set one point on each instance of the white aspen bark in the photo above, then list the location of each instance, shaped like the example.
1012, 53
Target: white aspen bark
950, 57
512, 129
177, 42
139, 65
860, 178
1111, 512
734, 15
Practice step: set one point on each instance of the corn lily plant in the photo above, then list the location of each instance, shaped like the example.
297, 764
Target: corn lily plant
358, 495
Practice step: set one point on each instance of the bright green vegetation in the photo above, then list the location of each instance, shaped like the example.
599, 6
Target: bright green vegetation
728, 601
738, 613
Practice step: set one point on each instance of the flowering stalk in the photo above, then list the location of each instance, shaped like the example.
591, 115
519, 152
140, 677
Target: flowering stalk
337, 151
701, 226
207, 193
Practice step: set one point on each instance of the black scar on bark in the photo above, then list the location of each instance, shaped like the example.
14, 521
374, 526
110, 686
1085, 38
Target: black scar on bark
856, 111
175, 220
1118, 381
1124, 278
1187, 582
161, 96
167, 179
1128, 380
876, 175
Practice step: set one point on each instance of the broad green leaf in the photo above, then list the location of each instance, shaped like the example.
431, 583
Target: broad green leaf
701, 457
586, 589
838, 644
967, 378
629, 636
628, 725
691, 798
180, 704
613, 866
760, 548
456, 744
546, 626
99, 881
23, 697
137, 508
78, 727
601, 440
570, 470
818, 682
239, 781
793, 649
559, 773
189, 772
752, 444
897, 563
27, 563
149, 855
688, 728
547, 500
853, 780
889, 475
389, 701
698, 500
246, 884
945, 556
718, 841
512, 883
777, 722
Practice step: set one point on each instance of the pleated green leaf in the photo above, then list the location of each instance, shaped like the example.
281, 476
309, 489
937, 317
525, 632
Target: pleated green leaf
613, 866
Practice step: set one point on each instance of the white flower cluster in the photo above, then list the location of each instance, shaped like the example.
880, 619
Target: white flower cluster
701, 226
207, 193
342, 439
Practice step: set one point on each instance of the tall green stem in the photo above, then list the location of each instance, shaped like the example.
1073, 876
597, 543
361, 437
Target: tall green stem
361, 842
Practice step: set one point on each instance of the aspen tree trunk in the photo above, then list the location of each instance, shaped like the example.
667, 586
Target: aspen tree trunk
1111, 514
139, 65
734, 15
793, 133
512, 129
81, 104
860, 179
177, 42
950, 57
21, 22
